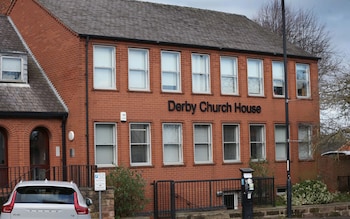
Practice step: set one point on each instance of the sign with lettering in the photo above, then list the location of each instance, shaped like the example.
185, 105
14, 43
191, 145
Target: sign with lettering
205, 106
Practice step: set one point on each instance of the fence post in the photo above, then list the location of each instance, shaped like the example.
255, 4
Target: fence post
155, 203
172, 199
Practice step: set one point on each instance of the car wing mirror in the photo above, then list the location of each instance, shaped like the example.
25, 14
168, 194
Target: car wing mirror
88, 201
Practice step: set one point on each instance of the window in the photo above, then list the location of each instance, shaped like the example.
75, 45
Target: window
104, 67
255, 77
257, 142
172, 143
202, 143
228, 68
303, 80
200, 73
171, 71
280, 142
304, 139
105, 144
278, 78
140, 151
138, 69
13, 68
231, 142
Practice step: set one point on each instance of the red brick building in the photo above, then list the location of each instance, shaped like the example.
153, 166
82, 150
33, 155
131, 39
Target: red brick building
177, 93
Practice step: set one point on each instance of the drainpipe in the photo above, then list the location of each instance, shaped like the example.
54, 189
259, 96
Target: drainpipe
64, 147
87, 99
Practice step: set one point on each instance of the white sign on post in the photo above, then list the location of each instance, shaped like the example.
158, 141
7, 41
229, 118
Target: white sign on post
100, 181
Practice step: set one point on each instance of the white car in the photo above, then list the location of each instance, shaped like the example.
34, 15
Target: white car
46, 199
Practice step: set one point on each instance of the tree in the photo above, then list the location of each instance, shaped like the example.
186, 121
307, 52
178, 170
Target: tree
305, 31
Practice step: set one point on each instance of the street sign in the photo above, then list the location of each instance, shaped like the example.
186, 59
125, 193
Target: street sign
100, 181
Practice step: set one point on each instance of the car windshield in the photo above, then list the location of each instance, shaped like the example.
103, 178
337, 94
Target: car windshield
45, 194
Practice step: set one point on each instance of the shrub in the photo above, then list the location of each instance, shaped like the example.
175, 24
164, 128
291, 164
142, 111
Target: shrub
129, 191
310, 192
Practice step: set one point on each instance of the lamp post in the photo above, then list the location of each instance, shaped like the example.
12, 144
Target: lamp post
289, 184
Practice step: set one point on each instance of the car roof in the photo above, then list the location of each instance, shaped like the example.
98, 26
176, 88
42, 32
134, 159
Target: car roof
47, 183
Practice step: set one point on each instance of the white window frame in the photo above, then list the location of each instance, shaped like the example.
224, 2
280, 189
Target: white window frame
108, 67
147, 144
228, 74
278, 81
254, 76
262, 142
2, 65
235, 142
280, 142
305, 143
208, 144
174, 70
175, 142
301, 81
200, 68
138, 70
112, 144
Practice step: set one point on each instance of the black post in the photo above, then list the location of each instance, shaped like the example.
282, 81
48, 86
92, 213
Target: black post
289, 183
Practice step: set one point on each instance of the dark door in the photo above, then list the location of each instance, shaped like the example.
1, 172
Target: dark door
3, 159
39, 154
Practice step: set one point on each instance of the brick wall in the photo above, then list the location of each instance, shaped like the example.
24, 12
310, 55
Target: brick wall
107, 204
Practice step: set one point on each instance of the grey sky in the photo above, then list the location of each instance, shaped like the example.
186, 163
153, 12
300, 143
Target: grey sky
335, 14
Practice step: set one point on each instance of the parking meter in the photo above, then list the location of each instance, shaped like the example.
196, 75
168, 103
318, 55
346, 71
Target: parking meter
247, 185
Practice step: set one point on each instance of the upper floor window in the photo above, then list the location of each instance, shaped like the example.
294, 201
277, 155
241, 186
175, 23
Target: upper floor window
202, 143
200, 73
138, 70
171, 77
140, 144
228, 69
231, 142
104, 67
13, 68
278, 79
105, 144
255, 77
257, 142
304, 142
303, 80
172, 143
280, 142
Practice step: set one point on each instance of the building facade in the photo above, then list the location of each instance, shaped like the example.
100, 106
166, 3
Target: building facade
177, 93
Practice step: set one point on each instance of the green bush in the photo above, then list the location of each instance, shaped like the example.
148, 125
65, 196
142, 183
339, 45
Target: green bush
129, 191
310, 192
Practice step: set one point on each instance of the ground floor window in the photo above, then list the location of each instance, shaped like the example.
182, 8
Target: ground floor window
172, 143
304, 142
280, 142
105, 144
202, 143
257, 142
140, 146
230, 137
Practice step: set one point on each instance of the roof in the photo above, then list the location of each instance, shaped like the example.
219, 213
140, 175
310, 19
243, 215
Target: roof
343, 150
38, 96
168, 24
47, 183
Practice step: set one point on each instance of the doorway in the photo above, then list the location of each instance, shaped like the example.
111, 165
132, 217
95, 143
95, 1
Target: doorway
3, 159
39, 154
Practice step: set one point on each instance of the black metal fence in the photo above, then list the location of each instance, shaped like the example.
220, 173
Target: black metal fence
82, 175
200, 195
